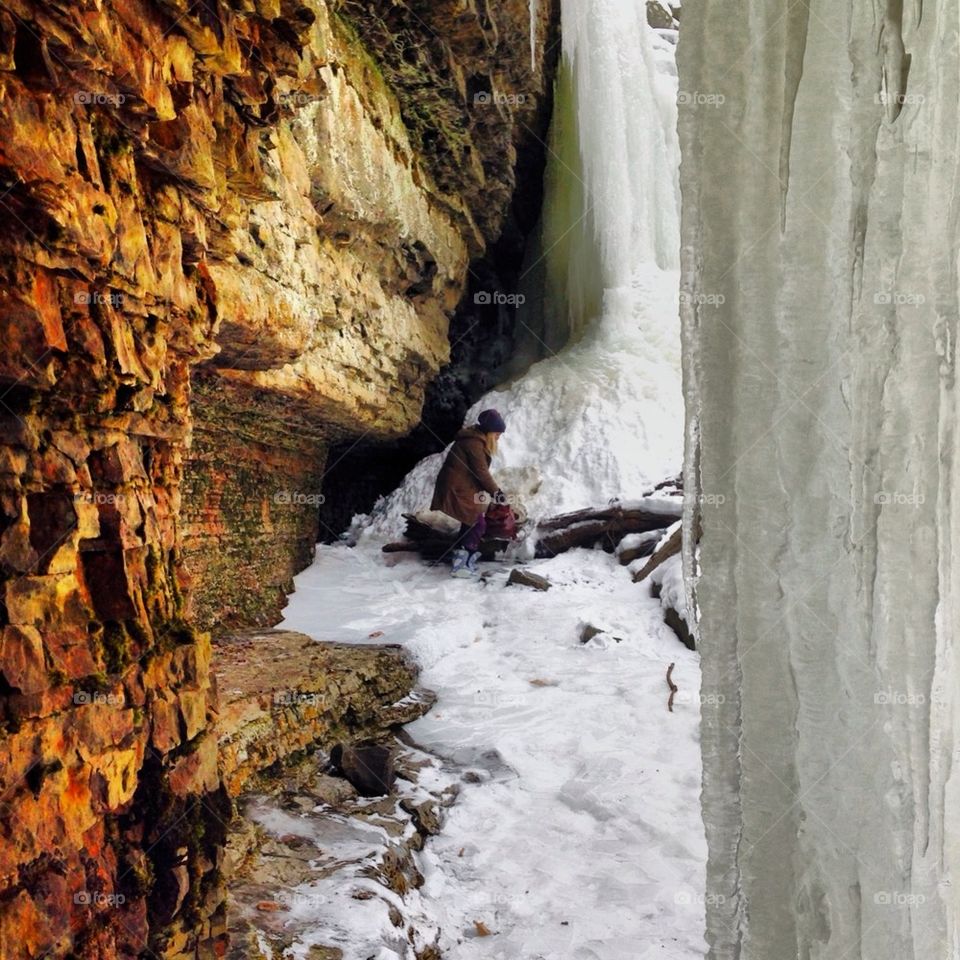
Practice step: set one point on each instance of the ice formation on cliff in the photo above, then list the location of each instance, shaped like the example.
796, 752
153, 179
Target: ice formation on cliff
819, 302
583, 838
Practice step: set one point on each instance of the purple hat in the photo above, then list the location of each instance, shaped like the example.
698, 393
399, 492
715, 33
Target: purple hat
490, 421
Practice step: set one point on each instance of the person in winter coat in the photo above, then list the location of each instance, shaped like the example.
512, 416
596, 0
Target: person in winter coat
465, 487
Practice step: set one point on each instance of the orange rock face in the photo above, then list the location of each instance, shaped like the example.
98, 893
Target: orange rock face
233, 234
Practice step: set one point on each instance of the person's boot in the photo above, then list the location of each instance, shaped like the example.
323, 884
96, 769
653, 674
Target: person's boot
472, 561
461, 568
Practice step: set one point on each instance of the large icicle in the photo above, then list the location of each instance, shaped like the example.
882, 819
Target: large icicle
822, 461
534, 10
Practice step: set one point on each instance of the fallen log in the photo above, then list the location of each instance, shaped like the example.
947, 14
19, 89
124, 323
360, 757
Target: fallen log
435, 545
653, 517
604, 527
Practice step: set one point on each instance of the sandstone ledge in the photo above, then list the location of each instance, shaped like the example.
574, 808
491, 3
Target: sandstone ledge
282, 693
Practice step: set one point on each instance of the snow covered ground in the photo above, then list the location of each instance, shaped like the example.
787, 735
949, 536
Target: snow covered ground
582, 839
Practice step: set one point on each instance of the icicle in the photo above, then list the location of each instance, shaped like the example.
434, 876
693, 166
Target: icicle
534, 8
613, 201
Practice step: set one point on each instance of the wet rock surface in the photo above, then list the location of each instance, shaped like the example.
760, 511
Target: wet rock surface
290, 699
283, 693
324, 872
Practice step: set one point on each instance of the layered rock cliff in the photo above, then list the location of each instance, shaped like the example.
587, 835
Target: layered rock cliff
235, 234
820, 310
410, 128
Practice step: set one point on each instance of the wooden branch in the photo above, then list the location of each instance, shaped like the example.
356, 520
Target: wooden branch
663, 553
606, 528
673, 687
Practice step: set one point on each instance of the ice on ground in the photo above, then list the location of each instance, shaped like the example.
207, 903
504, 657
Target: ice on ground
329, 866
579, 837
578, 834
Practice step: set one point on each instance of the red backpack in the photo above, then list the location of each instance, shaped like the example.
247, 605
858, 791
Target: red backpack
501, 522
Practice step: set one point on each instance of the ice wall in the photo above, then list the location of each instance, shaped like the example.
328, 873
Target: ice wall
819, 309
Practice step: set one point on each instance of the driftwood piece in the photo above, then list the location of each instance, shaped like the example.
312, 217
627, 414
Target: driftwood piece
668, 549
626, 557
524, 578
605, 528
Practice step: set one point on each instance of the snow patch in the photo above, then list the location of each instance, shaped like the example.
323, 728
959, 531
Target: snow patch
578, 833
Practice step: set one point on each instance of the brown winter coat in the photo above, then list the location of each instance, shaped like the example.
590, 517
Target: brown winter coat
463, 478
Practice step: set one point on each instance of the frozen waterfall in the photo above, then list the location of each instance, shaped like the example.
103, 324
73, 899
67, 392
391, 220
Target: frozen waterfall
599, 414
